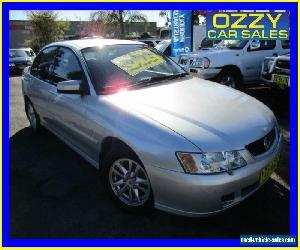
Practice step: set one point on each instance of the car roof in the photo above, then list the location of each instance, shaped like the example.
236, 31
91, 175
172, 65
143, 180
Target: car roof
86, 43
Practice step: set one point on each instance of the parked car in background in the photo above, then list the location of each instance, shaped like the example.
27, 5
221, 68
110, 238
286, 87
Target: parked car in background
208, 43
150, 42
165, 33
20, 58
276, 71
164, 47
160, 136
92, 37
233, 62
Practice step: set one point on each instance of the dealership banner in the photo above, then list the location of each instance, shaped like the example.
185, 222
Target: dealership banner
247, 25
181, 32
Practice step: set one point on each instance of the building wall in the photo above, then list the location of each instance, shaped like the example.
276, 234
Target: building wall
20, 31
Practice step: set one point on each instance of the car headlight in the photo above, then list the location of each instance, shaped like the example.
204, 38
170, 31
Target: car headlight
200, 63
210, 163
268, 64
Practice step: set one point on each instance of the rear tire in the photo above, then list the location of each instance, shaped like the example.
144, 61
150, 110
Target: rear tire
127, 181
230, 78
32, 116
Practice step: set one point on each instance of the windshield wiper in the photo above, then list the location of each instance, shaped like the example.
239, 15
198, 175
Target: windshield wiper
160, 78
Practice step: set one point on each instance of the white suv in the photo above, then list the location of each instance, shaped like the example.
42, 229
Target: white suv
232, 62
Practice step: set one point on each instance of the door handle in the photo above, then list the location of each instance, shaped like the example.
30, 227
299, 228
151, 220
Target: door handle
275, 54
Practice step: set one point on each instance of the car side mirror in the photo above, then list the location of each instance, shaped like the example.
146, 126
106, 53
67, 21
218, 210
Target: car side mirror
69, 87
254, 45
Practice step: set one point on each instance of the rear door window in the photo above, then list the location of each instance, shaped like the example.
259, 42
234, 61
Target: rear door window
42, 65
265, 45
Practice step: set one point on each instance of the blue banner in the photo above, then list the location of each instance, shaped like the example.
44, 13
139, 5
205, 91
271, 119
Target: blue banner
247, 25
181, 32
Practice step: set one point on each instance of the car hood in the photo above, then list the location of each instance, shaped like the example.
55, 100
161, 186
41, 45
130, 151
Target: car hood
20, 59
213, 52
284, 57
211, 116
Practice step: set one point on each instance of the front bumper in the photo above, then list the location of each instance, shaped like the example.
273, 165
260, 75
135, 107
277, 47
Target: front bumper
203, 195
268, 80
208, 73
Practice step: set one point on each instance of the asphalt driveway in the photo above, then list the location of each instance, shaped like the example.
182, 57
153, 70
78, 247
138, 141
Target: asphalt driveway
54, 193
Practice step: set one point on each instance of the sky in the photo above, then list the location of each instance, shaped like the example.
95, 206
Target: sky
83, 15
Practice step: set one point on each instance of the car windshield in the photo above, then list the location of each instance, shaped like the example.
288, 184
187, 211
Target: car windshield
17, 53
232, 44
116, 67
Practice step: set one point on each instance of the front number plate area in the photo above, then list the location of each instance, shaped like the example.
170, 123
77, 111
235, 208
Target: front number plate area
281, 81
268, 170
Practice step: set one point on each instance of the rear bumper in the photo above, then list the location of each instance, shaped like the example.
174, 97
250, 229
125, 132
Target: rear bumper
203, 195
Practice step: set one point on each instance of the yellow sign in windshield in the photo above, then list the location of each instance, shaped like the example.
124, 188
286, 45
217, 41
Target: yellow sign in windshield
137, 61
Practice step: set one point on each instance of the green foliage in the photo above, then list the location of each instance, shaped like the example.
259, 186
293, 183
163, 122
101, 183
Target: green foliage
195, 14
165, 14
117, 18
45, 28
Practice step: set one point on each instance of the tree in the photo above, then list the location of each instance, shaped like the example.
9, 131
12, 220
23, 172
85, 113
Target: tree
201, 13
165, 14
45, 28
111, 18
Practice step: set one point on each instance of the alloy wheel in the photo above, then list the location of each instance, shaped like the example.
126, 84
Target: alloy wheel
129, 182
228, 81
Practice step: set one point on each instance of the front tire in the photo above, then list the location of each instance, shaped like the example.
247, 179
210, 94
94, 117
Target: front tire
229, 78
127, 181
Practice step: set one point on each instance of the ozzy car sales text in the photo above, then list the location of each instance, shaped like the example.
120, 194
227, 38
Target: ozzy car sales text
252, 25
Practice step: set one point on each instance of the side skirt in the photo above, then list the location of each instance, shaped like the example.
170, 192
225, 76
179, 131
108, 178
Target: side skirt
75, 148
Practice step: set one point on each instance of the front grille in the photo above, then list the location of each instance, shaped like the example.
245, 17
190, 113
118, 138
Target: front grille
263, 144
185, 61
283, 64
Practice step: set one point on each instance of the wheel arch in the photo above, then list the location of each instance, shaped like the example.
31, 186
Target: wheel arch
113, 143
236, 70
232, 67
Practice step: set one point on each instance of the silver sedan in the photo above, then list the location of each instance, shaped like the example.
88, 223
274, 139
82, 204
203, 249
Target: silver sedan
160, 137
